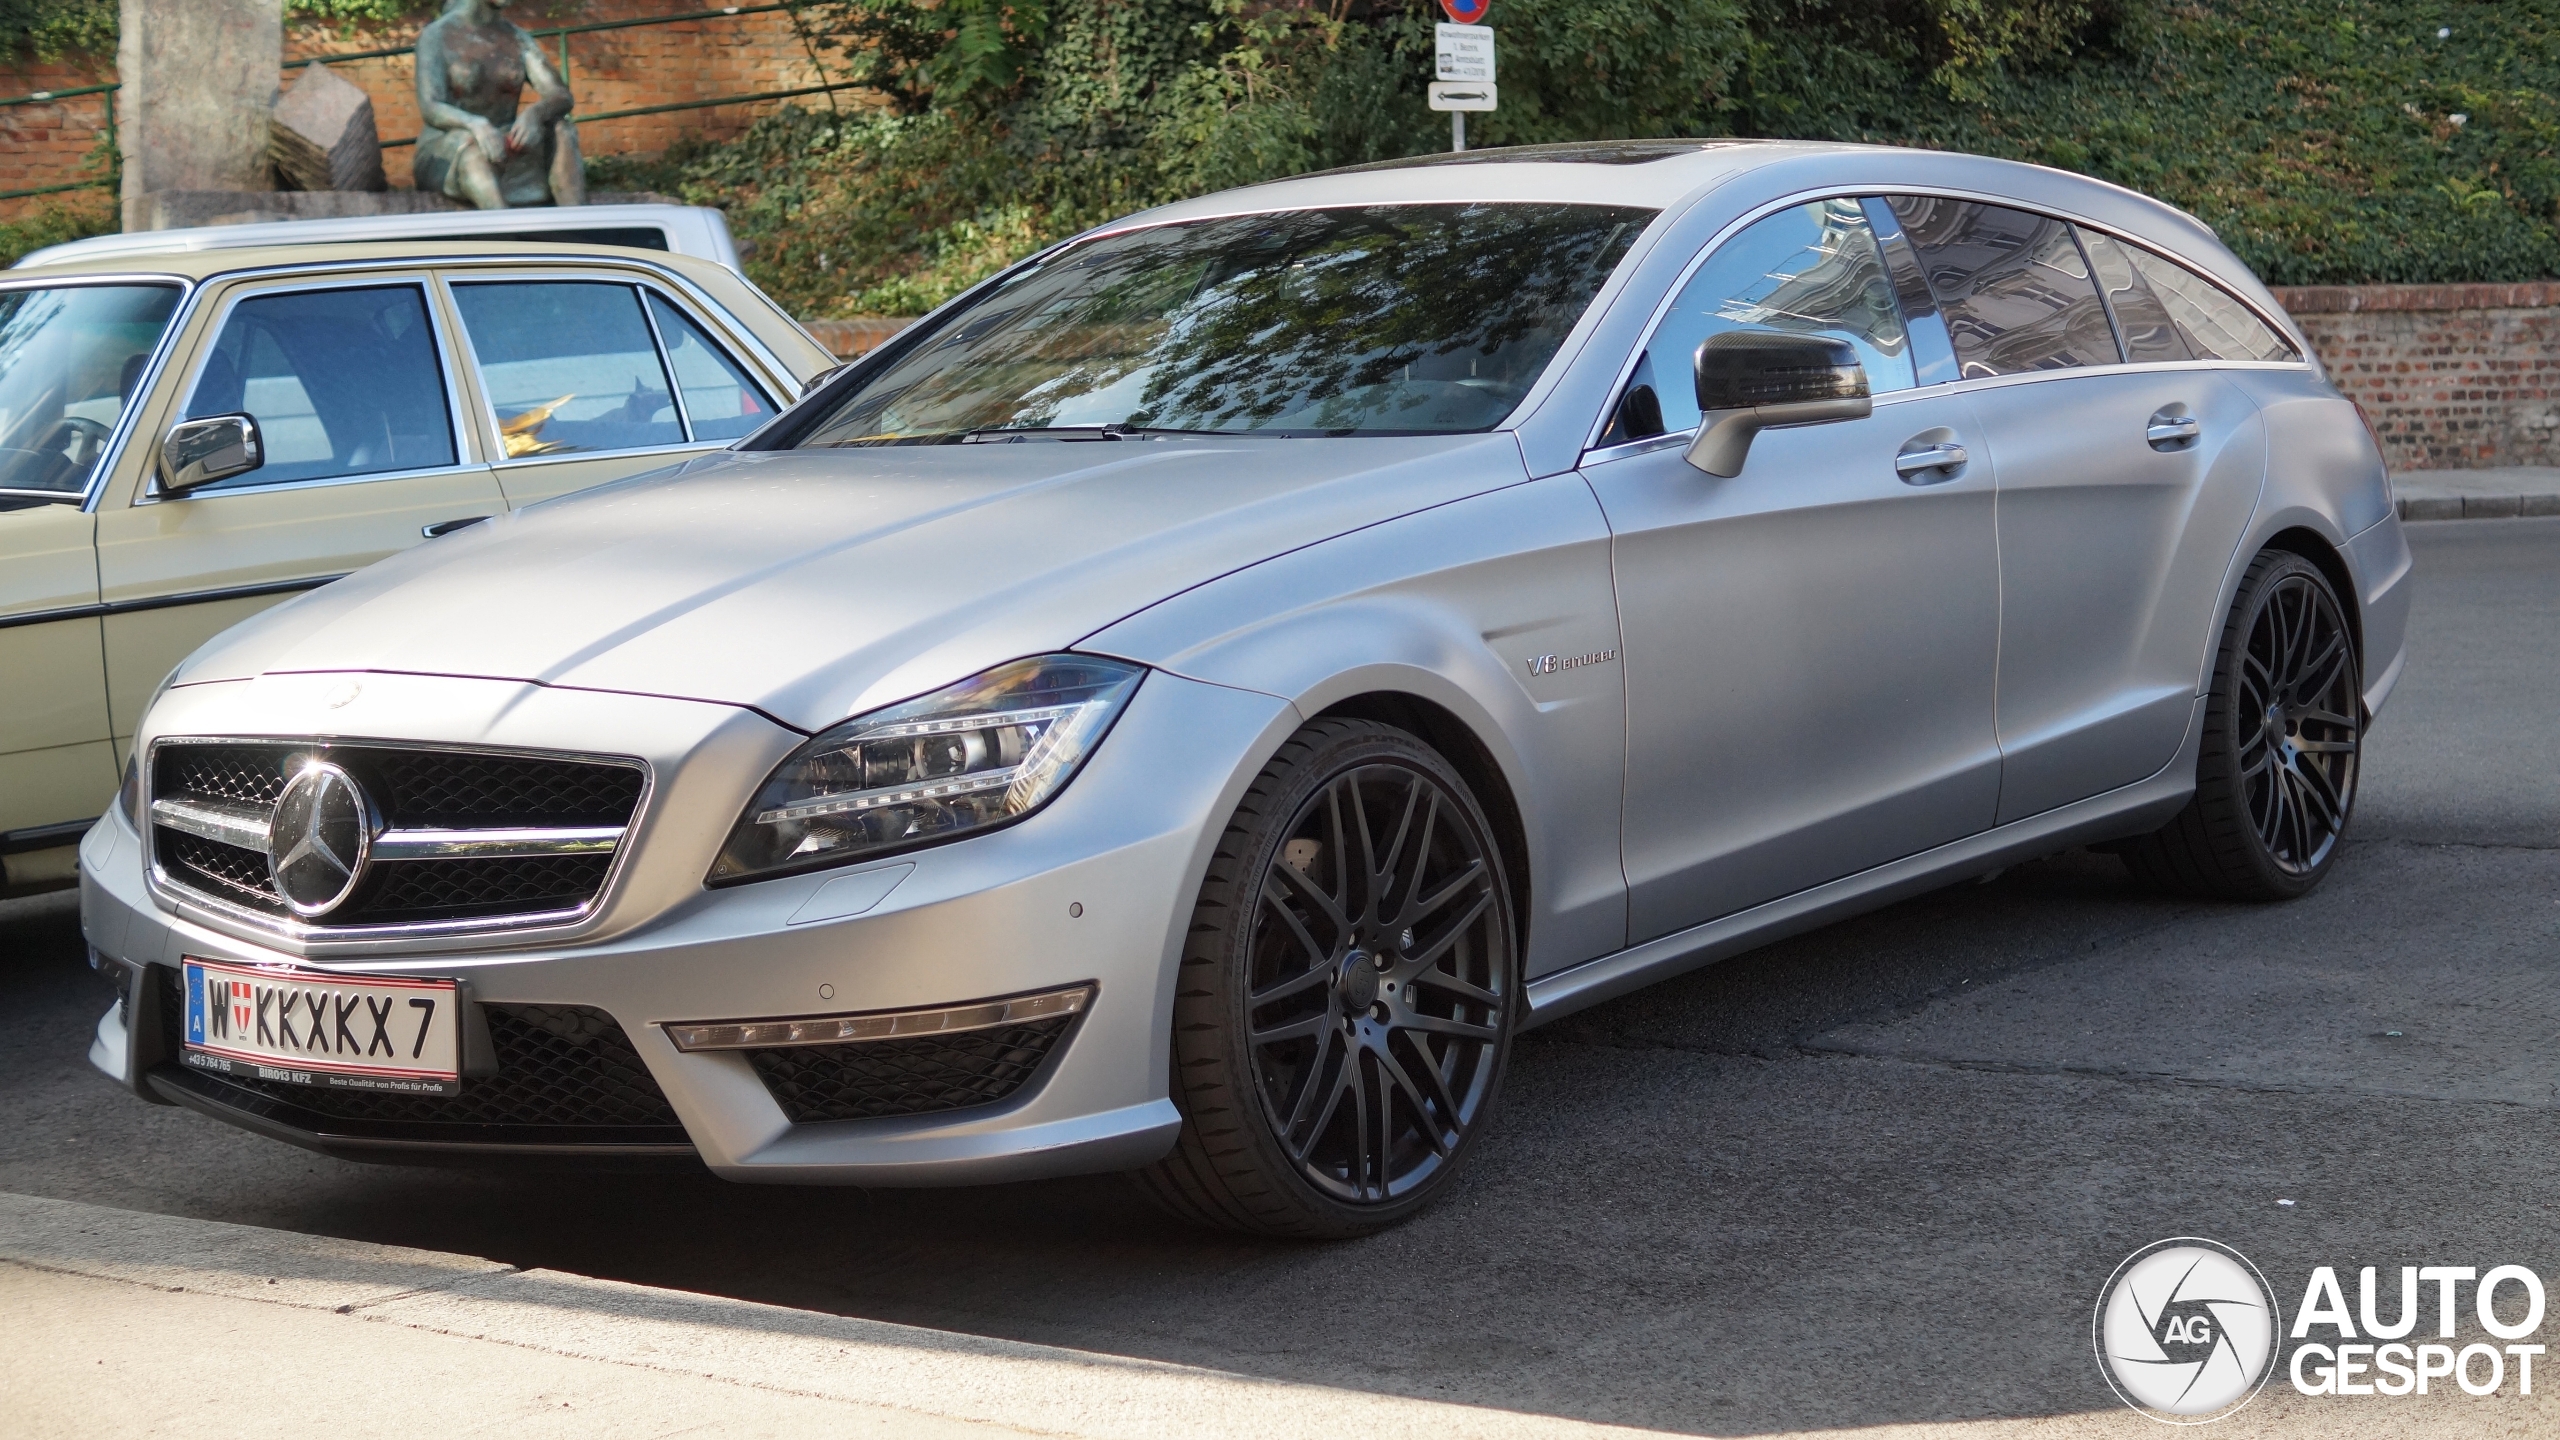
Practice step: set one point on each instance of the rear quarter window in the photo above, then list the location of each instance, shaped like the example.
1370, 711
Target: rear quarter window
2213, 322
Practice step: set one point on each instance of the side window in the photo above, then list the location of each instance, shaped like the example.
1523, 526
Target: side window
569, 366
2142, 322
1812, 269
341, 382
2015, 292
719, 399
2215, 325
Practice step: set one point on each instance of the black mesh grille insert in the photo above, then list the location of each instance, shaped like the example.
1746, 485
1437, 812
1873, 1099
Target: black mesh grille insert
412, 789
237, 875
441, 790
566, 1075
457, 889
871, 1079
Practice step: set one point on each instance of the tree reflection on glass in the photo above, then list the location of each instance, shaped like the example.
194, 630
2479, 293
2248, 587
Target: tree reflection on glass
1390, 319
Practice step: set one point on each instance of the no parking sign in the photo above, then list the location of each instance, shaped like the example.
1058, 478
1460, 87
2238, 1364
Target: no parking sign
1467, 12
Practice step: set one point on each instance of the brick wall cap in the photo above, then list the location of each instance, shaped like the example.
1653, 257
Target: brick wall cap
2347, 299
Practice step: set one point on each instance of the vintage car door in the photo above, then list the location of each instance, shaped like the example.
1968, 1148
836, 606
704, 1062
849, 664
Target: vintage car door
352, 383
2123, 491
588, 378
1810, 644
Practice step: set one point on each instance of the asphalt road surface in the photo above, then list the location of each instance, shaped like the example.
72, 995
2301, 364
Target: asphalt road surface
1874, 1174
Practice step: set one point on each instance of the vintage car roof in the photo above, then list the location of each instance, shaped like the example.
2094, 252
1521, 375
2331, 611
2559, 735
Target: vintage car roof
205, 264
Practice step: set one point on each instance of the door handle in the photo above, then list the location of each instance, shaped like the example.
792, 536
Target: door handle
447, 527
1931, 464
2168, 431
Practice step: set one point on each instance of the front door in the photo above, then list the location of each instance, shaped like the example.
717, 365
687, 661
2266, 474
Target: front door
1809, 645
352, 389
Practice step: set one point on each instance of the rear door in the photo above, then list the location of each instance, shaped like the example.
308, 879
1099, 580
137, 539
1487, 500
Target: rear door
2126, 472
352, 383
585, 378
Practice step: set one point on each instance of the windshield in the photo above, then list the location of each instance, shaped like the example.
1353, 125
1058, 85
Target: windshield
1382, 320
69, 359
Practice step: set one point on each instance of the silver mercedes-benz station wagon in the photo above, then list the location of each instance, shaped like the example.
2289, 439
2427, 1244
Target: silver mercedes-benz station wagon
1187, 704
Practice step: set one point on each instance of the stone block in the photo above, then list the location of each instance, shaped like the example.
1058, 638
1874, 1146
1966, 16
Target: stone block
197, 77
321, 136
2538, 505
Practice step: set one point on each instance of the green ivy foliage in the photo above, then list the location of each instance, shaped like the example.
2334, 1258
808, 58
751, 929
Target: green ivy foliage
2329, 141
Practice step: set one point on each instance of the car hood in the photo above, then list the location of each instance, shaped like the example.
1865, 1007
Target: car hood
818, 584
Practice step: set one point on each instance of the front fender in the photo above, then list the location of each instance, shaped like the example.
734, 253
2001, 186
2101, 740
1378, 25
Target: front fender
1451, 606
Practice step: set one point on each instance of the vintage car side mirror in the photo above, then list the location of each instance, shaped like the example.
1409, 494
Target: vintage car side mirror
199, 452
1750, 380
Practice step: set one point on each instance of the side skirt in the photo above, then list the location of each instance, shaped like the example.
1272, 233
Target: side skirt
2127, 810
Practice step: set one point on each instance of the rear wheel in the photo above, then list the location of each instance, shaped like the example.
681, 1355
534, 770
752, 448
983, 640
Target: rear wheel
2276, 780
1346, 996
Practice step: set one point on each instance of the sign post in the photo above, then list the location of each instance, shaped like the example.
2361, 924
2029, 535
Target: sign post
1462, 66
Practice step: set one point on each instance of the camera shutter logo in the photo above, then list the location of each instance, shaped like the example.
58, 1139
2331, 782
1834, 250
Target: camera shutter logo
2186, 1331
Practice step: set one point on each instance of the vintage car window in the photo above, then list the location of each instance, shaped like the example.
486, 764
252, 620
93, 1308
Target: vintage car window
2140, 321
69, 359
342, 382
719, 399
1375, 320
2213, 322
569, 366
1810, 269
2015, 291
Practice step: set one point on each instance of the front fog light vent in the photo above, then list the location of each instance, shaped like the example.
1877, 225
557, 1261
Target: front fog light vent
879, 1025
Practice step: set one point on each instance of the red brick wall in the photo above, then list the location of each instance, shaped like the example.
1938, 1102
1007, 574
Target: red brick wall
2454, 377
608, 70
46, 143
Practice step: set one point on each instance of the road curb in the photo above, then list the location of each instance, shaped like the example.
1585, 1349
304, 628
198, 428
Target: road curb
768, 1347
2477, 507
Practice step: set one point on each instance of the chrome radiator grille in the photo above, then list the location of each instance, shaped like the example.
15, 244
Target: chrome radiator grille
451, 837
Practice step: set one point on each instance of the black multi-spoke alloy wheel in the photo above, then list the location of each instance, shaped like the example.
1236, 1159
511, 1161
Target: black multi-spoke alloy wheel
1347, 992
2276, 780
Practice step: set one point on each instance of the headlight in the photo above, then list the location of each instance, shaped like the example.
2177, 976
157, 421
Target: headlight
980, 754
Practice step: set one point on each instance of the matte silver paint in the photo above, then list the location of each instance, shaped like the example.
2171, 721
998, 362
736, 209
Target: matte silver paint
1827, 681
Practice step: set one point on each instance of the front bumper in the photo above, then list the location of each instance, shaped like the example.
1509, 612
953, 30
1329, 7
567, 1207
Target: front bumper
1093, 891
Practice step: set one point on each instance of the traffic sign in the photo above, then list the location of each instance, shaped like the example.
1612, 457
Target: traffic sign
1461, 95
1467, 12
1463, 53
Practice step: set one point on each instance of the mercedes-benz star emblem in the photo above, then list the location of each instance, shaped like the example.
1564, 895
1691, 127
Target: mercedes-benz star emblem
318, 839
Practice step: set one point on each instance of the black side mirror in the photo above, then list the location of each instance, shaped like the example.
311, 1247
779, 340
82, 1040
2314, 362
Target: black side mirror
1750, 380
199, 452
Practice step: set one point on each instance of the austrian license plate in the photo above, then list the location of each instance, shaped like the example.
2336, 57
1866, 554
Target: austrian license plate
309, 1027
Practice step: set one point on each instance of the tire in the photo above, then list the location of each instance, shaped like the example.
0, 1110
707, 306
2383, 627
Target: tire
1357, 913
2284, 731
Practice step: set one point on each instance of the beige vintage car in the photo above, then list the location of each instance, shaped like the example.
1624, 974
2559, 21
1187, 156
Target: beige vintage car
186, 439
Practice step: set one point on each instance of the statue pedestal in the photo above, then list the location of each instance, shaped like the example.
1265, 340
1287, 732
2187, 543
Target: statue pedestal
197, 76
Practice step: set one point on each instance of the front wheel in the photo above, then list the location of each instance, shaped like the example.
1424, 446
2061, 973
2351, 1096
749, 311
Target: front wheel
2276, 780
1347, 993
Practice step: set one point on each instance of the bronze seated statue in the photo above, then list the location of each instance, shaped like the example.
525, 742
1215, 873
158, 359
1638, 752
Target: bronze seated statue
476, 145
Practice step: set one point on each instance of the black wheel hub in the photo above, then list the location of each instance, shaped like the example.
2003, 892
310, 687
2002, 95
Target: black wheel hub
1380, 973
2300, 733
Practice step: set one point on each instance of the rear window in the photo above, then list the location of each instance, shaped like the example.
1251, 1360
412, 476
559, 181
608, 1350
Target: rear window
2212, 321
